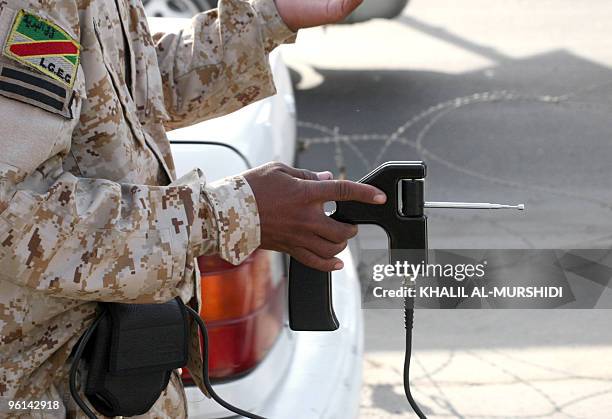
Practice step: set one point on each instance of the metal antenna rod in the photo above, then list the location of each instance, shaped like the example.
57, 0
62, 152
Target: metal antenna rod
473, 205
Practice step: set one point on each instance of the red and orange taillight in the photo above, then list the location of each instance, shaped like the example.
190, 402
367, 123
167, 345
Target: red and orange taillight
243, 307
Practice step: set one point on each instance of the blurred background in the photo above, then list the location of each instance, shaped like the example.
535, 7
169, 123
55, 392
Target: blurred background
506, 101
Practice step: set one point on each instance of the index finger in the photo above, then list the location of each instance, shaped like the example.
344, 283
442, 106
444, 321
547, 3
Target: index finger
345, 190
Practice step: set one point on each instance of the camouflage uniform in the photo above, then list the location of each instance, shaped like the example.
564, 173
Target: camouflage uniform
89, 207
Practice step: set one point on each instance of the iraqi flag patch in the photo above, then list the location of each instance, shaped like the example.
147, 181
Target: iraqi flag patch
41, 44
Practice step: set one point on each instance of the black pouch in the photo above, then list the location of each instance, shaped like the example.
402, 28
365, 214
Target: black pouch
131, 351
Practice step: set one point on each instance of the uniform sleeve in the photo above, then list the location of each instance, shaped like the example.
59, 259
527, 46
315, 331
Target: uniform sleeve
219, 63
93, 239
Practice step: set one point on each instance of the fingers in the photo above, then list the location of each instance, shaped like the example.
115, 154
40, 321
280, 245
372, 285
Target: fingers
318, 245
298, 173
344, 190
303, 173
314, 261
325, 248
334, 231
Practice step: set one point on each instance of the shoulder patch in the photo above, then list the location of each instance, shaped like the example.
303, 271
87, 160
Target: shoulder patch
34, 89
41, 44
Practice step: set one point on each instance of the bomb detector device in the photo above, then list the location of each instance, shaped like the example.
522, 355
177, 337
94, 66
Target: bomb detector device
402, 218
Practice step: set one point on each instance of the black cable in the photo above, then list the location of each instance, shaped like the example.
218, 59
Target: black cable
75, 365
206, 378
409, 323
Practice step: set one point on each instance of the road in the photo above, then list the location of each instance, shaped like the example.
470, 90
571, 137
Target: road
506, 100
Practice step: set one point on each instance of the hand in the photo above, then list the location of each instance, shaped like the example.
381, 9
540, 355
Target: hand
299, 14
290, 203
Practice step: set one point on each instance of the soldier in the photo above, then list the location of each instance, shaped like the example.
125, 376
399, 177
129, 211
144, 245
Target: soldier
90, 210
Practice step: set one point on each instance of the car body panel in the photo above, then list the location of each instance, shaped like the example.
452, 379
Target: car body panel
306, 374
271, 133
216, 159
320, 372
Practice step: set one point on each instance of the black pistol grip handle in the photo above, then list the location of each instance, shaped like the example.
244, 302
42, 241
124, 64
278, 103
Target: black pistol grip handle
310, 299
310, 290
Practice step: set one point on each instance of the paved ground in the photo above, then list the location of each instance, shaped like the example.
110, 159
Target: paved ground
507, 100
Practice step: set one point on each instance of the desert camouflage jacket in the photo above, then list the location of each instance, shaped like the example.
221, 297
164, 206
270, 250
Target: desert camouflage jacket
89, 207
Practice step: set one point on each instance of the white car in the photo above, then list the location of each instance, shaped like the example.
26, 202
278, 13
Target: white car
256, 362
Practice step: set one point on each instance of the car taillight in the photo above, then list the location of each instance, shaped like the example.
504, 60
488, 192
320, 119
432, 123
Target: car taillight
243, 307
